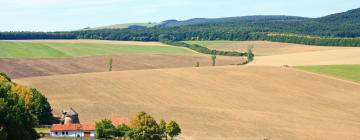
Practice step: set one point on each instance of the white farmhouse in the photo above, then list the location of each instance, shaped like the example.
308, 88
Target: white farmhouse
73, 131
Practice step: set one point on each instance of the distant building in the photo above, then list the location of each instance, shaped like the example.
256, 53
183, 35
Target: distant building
70, 126
70, 117
73, 130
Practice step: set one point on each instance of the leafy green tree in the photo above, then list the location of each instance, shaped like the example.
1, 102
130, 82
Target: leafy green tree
122, 130
41, 108
250, 55
173, 129
110, 64
144, 127
162, 127
213, 59
197, 64
16, 121
104, 129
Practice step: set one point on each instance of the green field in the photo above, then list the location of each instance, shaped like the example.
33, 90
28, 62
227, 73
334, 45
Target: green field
14, 49
349, 72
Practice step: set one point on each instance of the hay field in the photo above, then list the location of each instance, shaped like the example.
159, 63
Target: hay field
262, 48
252, 102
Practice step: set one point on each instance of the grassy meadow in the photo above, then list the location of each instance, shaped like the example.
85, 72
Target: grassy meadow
15, 49
349, 72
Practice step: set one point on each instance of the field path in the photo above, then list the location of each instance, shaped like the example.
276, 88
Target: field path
249, 102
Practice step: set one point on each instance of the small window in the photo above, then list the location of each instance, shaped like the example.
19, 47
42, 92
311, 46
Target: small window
56, 133
67, 133
63, 133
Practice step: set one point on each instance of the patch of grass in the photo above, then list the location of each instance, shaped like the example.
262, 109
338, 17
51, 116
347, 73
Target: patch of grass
349, 72
42, 130
14, 49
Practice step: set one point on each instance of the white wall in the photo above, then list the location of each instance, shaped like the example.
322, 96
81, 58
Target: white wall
71, 134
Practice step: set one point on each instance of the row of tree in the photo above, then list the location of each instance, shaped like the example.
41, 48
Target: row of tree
21, 109
197, 32
202, 49
141, 127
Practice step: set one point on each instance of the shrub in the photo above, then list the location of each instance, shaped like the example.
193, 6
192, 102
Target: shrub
104, 129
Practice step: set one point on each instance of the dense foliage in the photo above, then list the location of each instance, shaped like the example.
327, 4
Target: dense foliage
142, 127
16, 119
104, 129
202, 49
21, 109
41, 108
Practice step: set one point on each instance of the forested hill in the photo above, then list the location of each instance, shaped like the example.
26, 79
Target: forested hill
196, 21
340, 29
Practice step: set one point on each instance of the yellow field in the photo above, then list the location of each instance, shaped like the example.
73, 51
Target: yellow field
263, 48
328, 57
251, 102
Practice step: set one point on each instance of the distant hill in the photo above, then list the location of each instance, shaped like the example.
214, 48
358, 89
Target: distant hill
340, 29
123, 26
195, 21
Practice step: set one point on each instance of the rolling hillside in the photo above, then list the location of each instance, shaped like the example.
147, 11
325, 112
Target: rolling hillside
195, 21
216, 103
123, 26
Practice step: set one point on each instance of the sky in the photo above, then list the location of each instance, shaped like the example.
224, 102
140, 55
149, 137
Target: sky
66, 15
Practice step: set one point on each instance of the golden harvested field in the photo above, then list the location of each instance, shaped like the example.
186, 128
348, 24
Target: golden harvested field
251, 102
263, 48
328, 57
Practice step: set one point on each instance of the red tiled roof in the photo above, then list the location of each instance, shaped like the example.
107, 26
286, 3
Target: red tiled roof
72, 127
86, 127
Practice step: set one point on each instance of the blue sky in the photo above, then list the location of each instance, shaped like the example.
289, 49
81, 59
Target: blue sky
61, 15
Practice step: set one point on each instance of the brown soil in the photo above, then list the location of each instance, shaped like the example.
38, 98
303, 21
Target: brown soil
18, 68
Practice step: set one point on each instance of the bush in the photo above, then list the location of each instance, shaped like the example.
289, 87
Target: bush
144, 127
104, 129
173, 129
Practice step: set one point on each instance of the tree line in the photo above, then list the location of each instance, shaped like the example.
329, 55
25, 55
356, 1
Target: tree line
233, 32
142, 127
21, 109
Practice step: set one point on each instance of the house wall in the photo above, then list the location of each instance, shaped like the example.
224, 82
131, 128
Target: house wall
71, 134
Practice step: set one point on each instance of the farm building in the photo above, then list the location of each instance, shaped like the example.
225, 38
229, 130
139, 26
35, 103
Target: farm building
73, 130
69, 117
80, 130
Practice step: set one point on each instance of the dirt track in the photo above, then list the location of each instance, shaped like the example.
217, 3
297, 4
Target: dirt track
252, 102
19, 68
